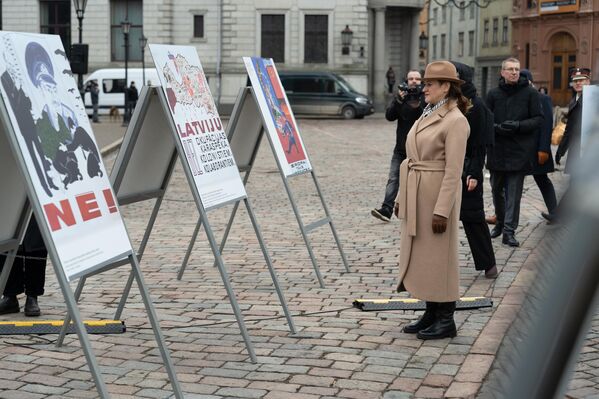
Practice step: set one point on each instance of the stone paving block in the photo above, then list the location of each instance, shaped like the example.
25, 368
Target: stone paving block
242, 392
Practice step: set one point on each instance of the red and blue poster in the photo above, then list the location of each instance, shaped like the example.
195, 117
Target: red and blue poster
277, 114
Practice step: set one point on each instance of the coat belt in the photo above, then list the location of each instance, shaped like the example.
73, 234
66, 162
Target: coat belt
409, 177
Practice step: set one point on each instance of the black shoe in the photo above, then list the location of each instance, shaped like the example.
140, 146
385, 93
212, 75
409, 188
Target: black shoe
497, 230
551, 218
383, 214
425, 321
444, 326
9, 304
509, 239
31, 307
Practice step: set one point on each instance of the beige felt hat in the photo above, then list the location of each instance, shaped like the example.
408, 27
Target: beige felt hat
442, 70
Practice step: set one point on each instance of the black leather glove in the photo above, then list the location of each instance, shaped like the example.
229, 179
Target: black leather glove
510, 126
558, 158
500, 130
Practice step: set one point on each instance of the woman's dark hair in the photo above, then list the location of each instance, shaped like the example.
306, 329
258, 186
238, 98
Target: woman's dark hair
455, 93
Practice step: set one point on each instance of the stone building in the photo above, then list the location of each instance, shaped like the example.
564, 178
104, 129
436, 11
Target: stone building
494, 43
452, 31
298, 34
550, 37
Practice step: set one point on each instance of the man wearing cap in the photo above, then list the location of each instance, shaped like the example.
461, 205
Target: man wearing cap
571, 139
518, 117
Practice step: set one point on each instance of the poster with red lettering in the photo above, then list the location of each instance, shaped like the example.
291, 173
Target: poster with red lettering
60, 153
277, 114
198, 124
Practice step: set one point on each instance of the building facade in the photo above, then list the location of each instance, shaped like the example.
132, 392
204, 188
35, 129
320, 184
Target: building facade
452, 31
552, 37
494, 43
297, 34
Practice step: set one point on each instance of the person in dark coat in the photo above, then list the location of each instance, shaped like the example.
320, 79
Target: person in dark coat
544, 163
518, 117
405, 108
472, 211
572, 134
28, 273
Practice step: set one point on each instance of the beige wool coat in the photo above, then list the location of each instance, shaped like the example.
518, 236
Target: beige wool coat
430, 184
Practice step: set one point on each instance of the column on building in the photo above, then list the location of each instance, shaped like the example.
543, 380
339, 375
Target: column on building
380, 67
415, 40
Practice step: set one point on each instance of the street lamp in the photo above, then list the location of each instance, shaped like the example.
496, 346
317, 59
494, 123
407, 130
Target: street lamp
126, 26
142, 43
80, 10
346, 36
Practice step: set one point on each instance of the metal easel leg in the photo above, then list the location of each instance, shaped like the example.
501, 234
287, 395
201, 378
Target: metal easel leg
271, 269
67, 319
189, 249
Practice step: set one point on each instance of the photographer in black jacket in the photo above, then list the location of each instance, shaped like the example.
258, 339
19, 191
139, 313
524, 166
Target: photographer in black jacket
518, 117
405, 108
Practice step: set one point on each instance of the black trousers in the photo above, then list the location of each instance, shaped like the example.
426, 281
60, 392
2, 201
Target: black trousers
481, 247
547, 191
507, 193
26, 275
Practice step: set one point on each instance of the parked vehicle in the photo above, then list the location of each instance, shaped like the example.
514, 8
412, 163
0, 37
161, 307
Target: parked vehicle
324, 93
112, 87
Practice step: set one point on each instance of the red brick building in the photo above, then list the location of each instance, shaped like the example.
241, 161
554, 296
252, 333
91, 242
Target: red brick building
551, 36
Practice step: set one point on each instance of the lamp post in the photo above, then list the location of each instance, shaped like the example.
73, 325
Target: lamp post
126, 26
80, 10
346, 37
142, 43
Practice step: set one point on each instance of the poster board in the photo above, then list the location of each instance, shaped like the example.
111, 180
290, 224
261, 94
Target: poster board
278, 117
590, 117
198, 124
54, 138
558, 6
246, 116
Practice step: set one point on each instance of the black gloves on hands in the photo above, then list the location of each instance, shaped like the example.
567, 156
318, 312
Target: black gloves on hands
507, 127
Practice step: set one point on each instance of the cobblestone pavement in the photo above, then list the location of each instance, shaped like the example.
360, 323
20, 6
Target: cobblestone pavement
338, 352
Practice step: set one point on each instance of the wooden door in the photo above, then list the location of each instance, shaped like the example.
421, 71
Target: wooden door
563, 57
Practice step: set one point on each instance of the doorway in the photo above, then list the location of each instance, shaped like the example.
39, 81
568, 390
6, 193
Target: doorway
563, 57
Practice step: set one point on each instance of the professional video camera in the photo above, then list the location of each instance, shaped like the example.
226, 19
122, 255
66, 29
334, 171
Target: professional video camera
412, 93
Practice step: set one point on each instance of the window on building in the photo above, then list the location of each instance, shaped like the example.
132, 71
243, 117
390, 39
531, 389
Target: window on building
486, 33
435, 14
435, 47
495, 31
444, 14
462, 8
316, 39
461, 44
471, 43
273, 37
504, 30
472, 10
443, 39
198, 26
132, 11
55, 19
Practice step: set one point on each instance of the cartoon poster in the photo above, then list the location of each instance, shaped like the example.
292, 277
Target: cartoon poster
199, 127
60, 152
590, 117
280, 122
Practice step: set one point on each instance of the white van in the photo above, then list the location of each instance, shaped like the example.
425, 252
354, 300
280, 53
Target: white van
112, 84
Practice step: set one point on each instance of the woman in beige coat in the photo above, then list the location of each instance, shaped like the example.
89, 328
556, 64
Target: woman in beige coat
429, 202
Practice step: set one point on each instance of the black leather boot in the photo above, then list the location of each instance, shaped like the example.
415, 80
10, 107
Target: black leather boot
497, 230
444, 326
427, 319
31, 307
9, 304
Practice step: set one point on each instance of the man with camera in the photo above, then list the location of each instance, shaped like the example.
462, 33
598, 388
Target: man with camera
405, 108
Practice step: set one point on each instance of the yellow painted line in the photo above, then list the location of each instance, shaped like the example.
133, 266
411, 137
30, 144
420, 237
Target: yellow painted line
56, 323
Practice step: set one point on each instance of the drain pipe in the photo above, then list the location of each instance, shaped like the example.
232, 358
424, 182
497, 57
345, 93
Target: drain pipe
219, 18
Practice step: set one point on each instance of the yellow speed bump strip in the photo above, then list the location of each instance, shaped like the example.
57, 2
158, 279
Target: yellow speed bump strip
416, 304
54, 326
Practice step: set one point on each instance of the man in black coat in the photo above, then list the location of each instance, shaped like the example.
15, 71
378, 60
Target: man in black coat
544, 164
405, 108
472, 211
572, 134
518, 117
